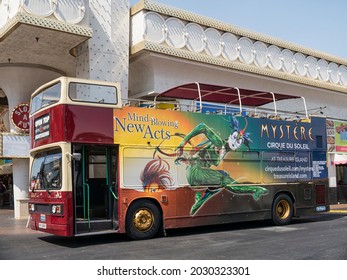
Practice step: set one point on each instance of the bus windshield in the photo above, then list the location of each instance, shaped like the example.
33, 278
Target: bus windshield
46, 170
46, 97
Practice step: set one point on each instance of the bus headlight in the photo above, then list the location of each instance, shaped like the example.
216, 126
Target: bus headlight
31, 207
321, 208
57, 209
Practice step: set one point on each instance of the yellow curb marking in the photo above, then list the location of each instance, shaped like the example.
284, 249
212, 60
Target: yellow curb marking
338, 211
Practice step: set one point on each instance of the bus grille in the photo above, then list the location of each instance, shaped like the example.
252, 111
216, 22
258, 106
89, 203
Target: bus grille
43, 208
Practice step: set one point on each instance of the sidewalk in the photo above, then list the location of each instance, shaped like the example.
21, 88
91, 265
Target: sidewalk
9, 225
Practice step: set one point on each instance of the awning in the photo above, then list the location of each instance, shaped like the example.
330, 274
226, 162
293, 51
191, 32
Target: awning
339, 159
14, 146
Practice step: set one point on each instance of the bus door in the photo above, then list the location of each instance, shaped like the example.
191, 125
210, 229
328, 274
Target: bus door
95, 188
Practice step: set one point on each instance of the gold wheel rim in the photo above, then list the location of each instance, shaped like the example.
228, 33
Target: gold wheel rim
143, 219
283, 209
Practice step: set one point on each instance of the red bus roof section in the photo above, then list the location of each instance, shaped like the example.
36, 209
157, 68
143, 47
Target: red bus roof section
223, 94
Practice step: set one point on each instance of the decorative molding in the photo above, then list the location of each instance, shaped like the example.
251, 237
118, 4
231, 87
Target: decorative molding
187, 35
251, 68
241, 32
23, 18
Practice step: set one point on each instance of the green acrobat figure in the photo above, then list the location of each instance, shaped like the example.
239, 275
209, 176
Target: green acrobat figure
210, 153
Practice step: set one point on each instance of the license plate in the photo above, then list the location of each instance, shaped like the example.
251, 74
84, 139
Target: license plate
42, 225
42, 217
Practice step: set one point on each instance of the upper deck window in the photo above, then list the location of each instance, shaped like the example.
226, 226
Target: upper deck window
93, 93
45, 98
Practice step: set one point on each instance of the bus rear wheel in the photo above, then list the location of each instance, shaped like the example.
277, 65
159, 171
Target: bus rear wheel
143, 220
282, 210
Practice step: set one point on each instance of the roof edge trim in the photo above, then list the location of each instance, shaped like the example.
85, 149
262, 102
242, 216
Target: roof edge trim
204, 58
23, 18
209, 22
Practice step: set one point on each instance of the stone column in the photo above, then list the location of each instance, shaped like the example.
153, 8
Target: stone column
20, 169
18, 83
106, 55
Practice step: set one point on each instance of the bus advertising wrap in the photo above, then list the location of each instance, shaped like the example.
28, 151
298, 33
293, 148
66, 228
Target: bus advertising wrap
288, 151
142, 125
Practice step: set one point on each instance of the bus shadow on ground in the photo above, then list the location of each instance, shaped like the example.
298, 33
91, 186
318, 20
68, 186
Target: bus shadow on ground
85, 241
114, 238
319, 218
251, 225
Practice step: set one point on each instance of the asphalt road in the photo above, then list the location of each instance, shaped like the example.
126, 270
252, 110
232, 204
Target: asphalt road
320, 237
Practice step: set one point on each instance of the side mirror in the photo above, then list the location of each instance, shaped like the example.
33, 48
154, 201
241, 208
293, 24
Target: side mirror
76, 156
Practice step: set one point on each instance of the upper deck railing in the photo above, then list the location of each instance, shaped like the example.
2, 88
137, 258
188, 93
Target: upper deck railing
212, 99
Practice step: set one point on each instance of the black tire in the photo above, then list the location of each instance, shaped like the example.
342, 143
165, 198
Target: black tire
282, 210
143, 220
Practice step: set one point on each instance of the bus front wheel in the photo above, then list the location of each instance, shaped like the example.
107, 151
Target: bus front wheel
282, 210
143, 220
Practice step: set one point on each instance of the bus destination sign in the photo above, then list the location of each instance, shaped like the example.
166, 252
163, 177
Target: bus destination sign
42, 127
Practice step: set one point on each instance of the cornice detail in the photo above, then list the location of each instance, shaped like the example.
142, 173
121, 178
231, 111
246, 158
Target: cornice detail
179, 33
23, 18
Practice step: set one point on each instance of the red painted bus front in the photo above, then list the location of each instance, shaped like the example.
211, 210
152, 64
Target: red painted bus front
73, 123
53, 210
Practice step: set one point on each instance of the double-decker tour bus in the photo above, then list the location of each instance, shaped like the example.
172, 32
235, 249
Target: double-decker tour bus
194, 155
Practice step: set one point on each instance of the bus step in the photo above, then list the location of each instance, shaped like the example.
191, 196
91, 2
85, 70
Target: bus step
94, 225
109, 231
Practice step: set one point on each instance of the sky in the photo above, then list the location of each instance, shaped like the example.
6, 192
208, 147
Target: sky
316, 24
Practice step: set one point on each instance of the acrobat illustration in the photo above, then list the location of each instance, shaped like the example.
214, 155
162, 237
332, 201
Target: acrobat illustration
200, 159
